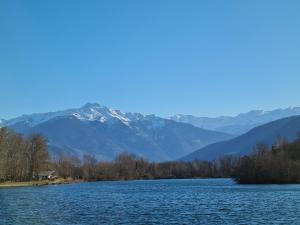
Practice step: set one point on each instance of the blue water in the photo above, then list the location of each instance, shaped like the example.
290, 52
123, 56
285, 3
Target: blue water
200, 201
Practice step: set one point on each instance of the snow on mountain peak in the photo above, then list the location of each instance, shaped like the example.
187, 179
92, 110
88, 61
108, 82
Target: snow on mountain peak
92, 105
89, 112
96, 112
239, 124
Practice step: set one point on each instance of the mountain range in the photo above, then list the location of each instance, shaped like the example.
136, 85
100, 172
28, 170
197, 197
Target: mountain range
237, 125
105, 132
287, 128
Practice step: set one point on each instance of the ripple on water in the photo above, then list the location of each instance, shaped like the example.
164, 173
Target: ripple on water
199, 201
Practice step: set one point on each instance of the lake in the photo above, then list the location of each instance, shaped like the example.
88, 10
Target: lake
198, 201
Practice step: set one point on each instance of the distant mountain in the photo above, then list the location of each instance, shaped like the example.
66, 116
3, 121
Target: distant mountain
105, 132
239, 124
268, 134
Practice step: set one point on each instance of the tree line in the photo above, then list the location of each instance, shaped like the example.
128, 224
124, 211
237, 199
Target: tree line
22, 159
279, 164
128, 166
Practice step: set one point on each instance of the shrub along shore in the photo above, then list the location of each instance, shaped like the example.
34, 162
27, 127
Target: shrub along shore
23, 160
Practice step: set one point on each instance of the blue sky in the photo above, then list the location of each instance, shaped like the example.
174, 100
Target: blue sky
163, 57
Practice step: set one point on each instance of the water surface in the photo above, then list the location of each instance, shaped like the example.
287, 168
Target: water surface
200, 201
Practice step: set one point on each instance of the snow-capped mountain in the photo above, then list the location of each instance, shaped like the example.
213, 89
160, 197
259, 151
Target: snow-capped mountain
89, 112
269, 134
1, 122
238, 124
105, 132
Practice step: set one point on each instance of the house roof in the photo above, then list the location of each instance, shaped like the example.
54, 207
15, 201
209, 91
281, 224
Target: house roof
46, 173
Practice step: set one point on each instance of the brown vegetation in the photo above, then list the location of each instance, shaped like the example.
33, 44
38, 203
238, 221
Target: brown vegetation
279, 165
22, 159
130, 167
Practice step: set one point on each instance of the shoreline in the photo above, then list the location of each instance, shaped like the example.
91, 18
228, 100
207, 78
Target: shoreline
62, 181
9, 184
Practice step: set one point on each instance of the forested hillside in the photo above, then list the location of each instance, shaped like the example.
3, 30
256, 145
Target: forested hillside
280, 164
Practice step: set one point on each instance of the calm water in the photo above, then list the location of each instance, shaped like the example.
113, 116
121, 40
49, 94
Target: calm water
208, 201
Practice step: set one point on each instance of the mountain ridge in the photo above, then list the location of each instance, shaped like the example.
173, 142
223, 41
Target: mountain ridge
287, 128
237, 125
105, 132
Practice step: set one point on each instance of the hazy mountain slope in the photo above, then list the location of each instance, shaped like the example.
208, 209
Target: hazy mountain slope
268, 134
100, 139
104, 132
239, 124
176, 138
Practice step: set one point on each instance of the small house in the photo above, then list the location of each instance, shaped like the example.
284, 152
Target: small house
47, 175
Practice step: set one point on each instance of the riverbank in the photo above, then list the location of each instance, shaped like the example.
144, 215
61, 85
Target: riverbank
9, 184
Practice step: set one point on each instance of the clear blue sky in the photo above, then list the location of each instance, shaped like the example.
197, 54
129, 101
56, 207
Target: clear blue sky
156, 56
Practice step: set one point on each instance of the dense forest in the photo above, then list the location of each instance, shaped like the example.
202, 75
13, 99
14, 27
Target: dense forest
22, 159
278, 165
